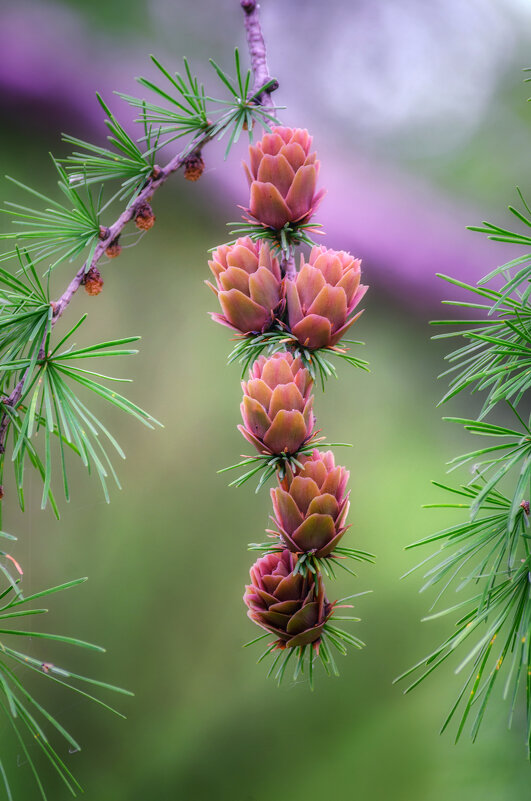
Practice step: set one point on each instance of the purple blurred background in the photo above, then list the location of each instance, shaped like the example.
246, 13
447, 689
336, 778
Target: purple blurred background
404, 100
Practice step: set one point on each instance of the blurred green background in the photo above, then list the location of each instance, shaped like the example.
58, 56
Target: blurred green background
167, 559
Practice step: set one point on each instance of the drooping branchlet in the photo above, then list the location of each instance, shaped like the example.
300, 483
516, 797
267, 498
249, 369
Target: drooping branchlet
285, 318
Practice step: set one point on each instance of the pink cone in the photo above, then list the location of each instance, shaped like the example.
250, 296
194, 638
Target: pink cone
311, 506
277, 408
282, 177
249, 286
323, 296
292, 607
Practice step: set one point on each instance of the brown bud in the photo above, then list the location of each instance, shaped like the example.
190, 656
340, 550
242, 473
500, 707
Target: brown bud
525, 506
193, 167
1, 492
104, 232
145, 219
93, 282
114, 249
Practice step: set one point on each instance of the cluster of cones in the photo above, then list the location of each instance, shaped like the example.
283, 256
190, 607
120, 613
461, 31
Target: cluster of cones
286, 596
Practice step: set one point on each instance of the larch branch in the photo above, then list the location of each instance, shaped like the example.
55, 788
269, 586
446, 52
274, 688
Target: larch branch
159, 176
257, 52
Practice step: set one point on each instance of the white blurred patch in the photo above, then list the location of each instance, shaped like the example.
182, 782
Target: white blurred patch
420, 73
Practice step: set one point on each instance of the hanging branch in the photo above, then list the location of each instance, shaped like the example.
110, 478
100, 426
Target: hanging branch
257, 53
288, 324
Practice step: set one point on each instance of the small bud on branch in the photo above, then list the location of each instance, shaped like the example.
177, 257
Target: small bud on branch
114, 249
194, 167
93, 282
145, 219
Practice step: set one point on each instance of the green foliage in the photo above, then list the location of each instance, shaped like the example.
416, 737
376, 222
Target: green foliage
50, 388
50, 403
499, 234
487, 555
497, 355
31, 723
281, 241
249, 348
57, 232
307, 561
126, 162
61, 232
243, 111
191, 112
187, 115
267, 465
25, 317
502, 457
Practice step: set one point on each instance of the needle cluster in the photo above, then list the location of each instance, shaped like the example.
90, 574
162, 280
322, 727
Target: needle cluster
486, 555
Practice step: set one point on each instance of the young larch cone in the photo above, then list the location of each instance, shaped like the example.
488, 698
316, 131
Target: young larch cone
323, 295
194, 167
114, 249
291, 606
93, 282
145, 219
311, 506
282, 175
277, 408
249, 286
